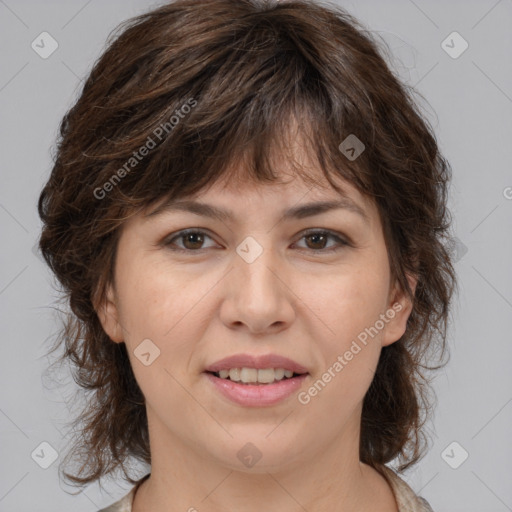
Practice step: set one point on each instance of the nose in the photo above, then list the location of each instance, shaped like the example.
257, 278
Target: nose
257, 296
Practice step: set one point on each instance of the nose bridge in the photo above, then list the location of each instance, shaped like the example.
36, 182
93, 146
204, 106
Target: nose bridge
256, 264
258, 296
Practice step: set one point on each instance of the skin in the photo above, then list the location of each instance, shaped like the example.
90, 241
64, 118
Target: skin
296, 299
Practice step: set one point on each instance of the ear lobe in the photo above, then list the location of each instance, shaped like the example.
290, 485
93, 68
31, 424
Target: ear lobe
401, 305
108, 315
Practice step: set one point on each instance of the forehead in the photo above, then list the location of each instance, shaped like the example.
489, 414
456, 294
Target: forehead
298, 179
287, 189
293, 160
289, 197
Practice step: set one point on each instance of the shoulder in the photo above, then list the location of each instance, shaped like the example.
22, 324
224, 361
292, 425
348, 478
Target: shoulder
126, 502
407, 500
123, 505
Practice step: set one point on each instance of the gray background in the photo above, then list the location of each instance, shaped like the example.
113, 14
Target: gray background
470, 107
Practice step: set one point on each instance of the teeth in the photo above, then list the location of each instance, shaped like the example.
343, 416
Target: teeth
279, 373
234, 374
253, 375
265, 375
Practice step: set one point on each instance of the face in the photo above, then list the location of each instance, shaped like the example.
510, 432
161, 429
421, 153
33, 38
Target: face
313, 288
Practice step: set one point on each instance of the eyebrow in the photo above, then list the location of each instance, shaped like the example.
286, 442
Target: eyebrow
297, 212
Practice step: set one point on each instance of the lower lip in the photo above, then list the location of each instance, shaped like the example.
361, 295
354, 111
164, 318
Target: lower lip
257, 395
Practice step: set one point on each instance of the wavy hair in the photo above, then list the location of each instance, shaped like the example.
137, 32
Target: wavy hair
202, 84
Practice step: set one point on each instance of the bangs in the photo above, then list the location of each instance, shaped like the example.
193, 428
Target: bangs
285, 150
256, 109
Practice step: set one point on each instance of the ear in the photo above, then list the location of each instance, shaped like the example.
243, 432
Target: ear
401, 306
108, 314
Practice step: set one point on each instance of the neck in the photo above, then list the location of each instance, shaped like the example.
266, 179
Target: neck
186, 477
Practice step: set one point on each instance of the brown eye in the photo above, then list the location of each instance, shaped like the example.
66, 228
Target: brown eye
317, 241
191, 241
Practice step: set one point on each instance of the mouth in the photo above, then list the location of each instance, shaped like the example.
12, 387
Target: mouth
256, 380
256, 376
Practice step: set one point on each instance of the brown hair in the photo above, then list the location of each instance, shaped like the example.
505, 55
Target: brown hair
245, 69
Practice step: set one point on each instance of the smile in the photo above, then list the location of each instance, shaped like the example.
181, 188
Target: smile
256, 394
254, 375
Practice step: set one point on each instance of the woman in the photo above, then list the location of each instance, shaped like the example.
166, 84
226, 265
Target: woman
247, 214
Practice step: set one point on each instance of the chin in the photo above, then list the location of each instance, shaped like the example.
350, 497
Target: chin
256, 454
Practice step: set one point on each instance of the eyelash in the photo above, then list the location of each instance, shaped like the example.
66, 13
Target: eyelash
180, 234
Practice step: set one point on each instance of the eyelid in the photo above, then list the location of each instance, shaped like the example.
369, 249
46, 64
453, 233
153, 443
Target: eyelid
342, 240
335, 234
178, 234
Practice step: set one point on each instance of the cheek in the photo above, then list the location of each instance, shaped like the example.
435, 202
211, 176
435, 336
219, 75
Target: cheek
350, 350
347, 303
167, 307
348, 312
158, 305
155, 300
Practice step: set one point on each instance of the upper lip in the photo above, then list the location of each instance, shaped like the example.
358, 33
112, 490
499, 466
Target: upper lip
258, 362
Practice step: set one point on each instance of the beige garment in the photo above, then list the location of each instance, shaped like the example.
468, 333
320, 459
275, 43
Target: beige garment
406, 498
